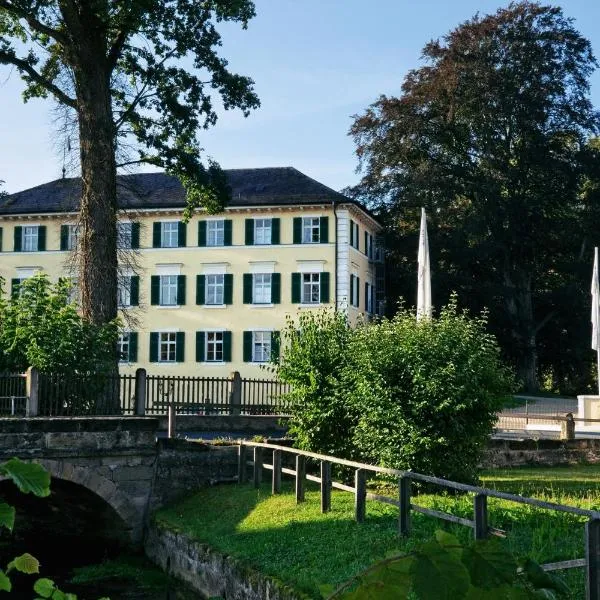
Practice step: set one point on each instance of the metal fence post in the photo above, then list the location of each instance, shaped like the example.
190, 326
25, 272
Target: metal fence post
480, 514
592, 557
172, 427
276, 484
32, 387
235, 397
300, 477
360, 495
404, 497
325, 486
258, 466
242, 467
140, 392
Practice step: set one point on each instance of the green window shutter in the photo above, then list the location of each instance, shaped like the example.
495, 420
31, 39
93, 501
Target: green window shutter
180, 346
14, 287
200, 336
247, 346
366, 243
18, 238
200, 286
156, 235
276, 288
227, 346
181, 234
275, 231
357, 292
351, 303
202, 233
296, 288
133, 346
297, 230
180, 290
154, 290
249, 232
352, 233
275, 345
325, 287
153, 347
41, 238
0, 239
228, 232
134, 290
248, 288
228, 288
135, 235
324, 230
64, 237
366, 297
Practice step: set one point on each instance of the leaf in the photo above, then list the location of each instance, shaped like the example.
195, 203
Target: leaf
542, 580
25, 564
489, 564
439, 574
59, 595
28, 477
325, 589
44, 587
5, 584
504, 592
7, 515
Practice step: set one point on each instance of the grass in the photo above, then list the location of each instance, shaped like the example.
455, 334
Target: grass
301, 546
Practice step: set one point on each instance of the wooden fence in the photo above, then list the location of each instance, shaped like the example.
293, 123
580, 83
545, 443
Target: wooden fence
479, 523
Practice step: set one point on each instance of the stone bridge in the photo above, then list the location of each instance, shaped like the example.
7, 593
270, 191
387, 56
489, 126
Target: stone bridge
120, 459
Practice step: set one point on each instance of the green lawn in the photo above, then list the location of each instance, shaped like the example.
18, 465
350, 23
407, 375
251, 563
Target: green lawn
305, 548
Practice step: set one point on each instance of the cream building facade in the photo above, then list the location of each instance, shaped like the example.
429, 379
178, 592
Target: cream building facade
210, 296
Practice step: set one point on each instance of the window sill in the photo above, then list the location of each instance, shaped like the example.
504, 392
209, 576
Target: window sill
213, 306
167, 306
260, 305
312, 305
213, 363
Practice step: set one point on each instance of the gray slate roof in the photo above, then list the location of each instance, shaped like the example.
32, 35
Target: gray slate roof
249, 187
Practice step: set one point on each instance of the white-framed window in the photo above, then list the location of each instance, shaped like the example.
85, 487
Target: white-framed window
369, 245
261, 346
72, 235
354, 234
124, 235
30, 238
311, 230
167, 346
369, 290
354, 289
214, 346
168, 290
261, 288
169, 234
124, 291
311, 288
123, 346
262, 231
215, 289
215, 232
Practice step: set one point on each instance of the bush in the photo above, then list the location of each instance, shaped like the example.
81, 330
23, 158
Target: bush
399, 393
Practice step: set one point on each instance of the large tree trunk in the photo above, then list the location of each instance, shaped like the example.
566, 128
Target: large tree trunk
518, 302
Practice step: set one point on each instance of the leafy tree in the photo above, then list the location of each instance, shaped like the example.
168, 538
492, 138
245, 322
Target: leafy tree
40, 328
491, 136
135, 71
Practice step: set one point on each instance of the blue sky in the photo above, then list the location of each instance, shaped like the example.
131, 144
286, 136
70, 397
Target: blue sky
315, 64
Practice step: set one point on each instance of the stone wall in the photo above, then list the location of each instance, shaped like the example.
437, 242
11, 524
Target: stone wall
210, 572
548, 453
248, 424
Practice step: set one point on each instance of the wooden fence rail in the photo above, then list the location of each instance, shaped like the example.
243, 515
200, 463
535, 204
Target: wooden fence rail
479, 523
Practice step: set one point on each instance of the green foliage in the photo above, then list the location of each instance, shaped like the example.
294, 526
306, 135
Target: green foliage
28, 477
400, 393
491, 135
443, 569
40, 328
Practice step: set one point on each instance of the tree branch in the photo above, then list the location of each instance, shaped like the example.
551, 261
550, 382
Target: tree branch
10, 59
544, 321
33, 22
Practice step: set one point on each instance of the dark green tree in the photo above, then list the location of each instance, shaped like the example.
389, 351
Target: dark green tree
490, 135
145, 72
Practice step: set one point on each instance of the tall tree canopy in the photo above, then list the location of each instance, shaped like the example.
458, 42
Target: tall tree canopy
491, 135
143, 71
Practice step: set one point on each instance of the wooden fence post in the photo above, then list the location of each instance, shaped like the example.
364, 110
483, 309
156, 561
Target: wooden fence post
300, 477
592, 557
235, 397
140, 392
171, 425
32, 386
567, 428
325, 486
276, 484
481, 516
258, 466
404, 497
242, 467
360, 495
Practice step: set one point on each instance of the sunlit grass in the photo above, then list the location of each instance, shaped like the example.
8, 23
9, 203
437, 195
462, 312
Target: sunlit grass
298, 544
